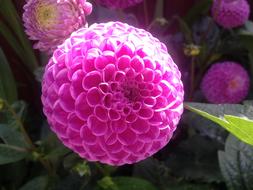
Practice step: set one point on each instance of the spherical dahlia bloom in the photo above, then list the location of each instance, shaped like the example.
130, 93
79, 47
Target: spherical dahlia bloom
50, 22
230, 13
226, 82
112, 93
120, 4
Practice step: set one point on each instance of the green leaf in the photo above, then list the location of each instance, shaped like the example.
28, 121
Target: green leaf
16, 114
224, 115
125, 183
10, 136
188, 186
247, 29
10, 15
57, 153
205, 127
246, 39
236, 164
197, 10
11, 39
153, 171
38, 183
8, 89
196, 159
10, 153
19, 107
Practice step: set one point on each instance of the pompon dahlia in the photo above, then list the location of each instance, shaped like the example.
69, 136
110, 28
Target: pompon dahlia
112, 93
226, 82
118, 4
230, 13
50, 22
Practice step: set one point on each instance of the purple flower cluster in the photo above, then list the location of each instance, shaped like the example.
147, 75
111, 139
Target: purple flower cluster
226, 82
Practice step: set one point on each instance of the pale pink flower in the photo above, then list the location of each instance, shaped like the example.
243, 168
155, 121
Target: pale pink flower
50, 22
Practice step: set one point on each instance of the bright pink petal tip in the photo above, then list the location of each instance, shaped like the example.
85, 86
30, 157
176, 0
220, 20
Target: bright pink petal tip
118, 4
230, 13
226, 82
50, 22
112, 93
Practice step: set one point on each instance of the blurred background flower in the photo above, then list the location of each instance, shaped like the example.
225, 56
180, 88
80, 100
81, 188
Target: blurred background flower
50, 22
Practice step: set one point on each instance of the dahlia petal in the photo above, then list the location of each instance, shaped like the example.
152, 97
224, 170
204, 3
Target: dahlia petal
140, 126
93, 96
97, 127
92, 79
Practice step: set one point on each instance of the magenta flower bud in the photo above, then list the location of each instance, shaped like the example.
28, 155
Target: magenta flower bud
50, 22
118, 4
230, 13
226, 82
112, 93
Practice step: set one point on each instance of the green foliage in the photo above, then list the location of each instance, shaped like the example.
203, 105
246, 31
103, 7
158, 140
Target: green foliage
14, 145
8, 89
204, 127
197, 10
18, 39
125, 183
10, 153
38, 183
224, 115
154, 171
194, 160
236, 164
188, 186
11, 136
246, 38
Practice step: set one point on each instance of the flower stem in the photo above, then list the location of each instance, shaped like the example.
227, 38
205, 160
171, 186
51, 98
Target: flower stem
192, 85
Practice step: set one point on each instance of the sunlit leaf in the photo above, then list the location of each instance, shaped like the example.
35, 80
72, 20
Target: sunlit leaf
233, 118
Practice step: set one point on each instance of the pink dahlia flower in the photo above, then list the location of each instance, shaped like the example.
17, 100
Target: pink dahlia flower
230, 13
50, 22
118, 4
226, 82
112, 93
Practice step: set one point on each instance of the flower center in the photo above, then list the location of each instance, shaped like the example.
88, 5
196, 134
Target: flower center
46, 15
130, 91
235, 84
